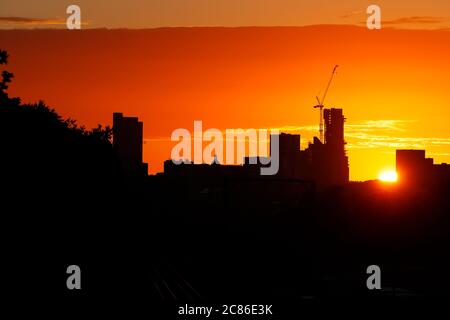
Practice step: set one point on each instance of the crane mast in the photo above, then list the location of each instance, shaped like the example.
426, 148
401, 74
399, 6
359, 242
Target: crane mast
320, 105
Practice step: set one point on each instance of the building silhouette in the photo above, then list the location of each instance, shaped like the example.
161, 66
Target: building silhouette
413, 168
127, 144
293, 163
324, 163
208, 171
329, 159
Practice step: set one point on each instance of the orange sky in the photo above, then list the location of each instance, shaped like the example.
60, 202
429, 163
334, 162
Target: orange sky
392, 84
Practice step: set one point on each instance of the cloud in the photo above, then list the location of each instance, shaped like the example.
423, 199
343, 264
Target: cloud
352, 14
382, 134
373, 134
31, 21
365, 141
436, 23
370, 134
415, 20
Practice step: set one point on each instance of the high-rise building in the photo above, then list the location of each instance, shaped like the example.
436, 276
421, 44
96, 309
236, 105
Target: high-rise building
336, 160
127, 144
324, 163
289, 148
334, 128
412, 166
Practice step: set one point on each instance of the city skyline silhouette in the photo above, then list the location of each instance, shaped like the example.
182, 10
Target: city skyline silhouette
153, 234
235, 78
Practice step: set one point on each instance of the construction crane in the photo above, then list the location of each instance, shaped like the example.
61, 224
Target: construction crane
320, 105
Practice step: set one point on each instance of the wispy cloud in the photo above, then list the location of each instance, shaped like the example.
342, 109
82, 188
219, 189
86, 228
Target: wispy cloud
435, 23
32, 21
371, 125
351, 14
367, 141
23, 21
371, 134
415, 20
383, 134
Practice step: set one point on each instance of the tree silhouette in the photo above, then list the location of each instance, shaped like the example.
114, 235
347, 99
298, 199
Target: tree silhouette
36, 138
57, 178
5, 79
100, 133
6, 76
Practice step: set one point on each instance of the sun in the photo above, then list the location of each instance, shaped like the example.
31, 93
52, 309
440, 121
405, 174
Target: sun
388, 176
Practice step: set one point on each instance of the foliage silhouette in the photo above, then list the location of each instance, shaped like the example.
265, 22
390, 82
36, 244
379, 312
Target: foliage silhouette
37, 140
57, 179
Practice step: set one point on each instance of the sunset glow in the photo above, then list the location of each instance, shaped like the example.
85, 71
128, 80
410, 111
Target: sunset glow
181, 155
388, 176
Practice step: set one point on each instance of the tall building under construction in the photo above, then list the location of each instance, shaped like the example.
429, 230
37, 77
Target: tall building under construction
324, 162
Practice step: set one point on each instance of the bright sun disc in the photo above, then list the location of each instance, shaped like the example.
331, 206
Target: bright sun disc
388, 176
